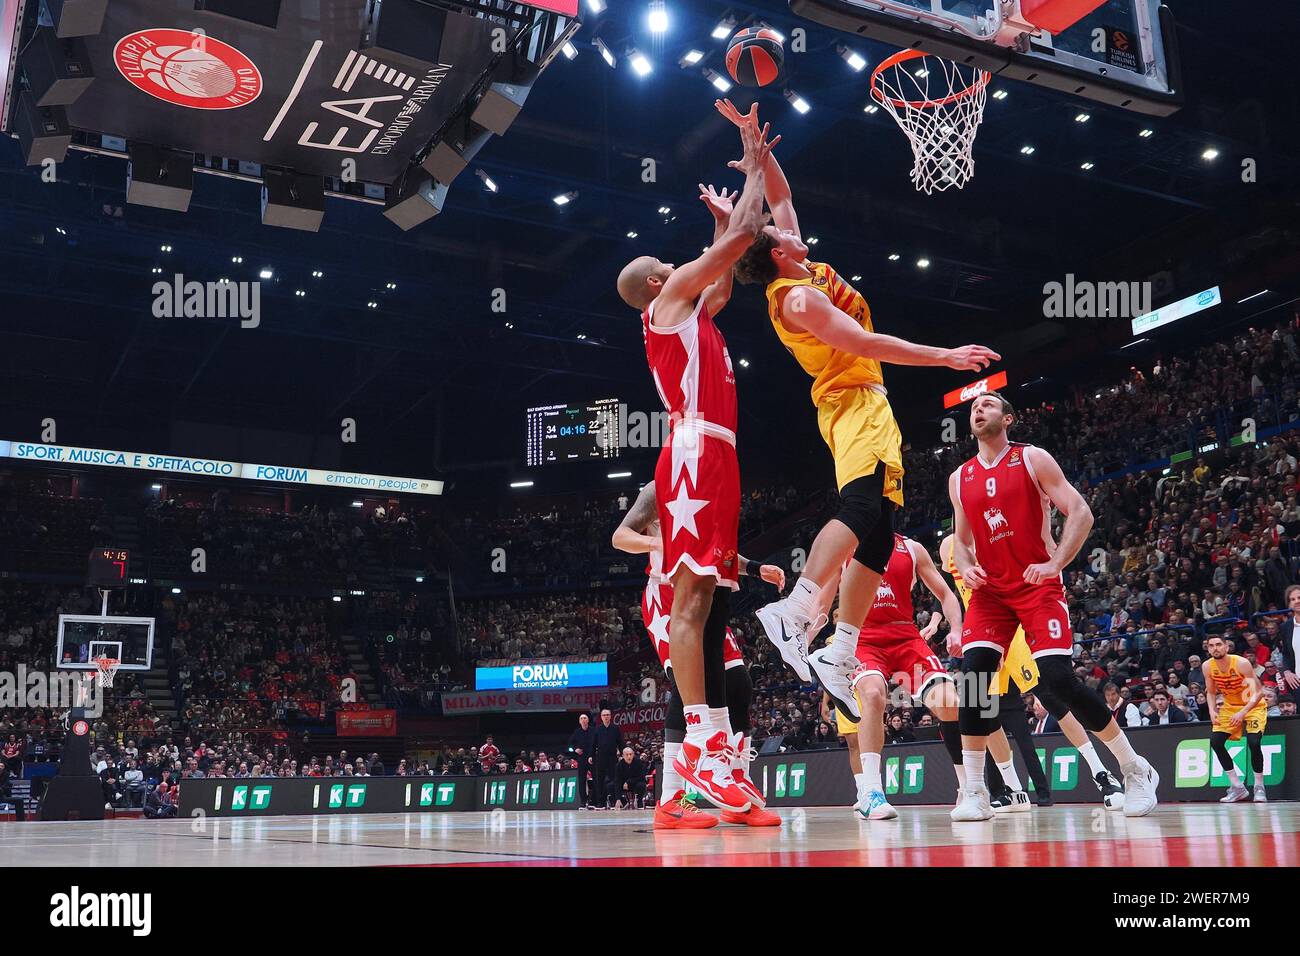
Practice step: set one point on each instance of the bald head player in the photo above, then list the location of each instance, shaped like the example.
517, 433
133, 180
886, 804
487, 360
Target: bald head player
697, 478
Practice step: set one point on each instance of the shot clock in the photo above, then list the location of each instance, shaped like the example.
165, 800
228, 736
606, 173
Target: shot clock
109, 568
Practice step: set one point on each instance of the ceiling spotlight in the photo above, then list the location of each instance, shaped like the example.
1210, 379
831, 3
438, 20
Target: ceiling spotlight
1210, 154
619, 474
871, 108
60, 230
582, 336
690, 58
266, 273
922, 73
1147, 133
165, 248
798, 102
564, 199
391, 287
720, 82
724, 28
237, 260
855, 278
640, 65
488, 183
521, 484
999, 94
658, 17
604, 52
1082, 118
1027, 150
894, 257
664, 210
855, 60
224, 281
631, 234
1086, 166
157, 270
813, 240
299, 293
744, 363
923, 263
317, 274
372, 305
569, 50
596, 6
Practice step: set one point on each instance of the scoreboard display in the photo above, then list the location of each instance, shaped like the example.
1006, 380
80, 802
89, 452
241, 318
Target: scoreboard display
109, 568
574, 432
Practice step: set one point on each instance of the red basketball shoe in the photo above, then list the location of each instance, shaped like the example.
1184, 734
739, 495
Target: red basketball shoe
753, 817
680, 813
708, 769
742, 755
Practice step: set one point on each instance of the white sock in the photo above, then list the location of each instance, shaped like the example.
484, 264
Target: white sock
743, 746
844, 645
1123, 751
1089, 753
860, 782
1234, 776
961, 775
803, 596
721, 720
699, 724
973, 761
673, 781
870, 774
1009, 775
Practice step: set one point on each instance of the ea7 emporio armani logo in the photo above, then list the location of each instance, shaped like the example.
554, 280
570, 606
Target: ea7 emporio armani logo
76, 910
995, 519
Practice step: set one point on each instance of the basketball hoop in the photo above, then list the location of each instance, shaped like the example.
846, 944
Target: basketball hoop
940, 125
107, 668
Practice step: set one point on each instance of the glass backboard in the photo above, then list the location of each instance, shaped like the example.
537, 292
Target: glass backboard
82, 637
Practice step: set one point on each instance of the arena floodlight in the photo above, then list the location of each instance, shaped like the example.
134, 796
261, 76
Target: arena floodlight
800, 104
657, 19
605, 53
640, 63
720, 82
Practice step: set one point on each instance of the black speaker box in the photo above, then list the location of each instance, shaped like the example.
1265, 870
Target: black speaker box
162, 178
416, 198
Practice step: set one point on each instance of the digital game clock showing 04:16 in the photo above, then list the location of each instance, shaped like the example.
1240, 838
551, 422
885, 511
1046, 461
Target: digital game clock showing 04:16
109, 568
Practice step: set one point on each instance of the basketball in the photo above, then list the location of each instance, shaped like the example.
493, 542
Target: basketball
188, 71
755, 56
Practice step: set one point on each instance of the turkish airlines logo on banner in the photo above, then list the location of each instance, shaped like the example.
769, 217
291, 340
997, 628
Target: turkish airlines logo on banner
188, 69
975, 389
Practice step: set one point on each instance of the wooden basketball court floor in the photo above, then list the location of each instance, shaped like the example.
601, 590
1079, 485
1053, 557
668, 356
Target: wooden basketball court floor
1177, 835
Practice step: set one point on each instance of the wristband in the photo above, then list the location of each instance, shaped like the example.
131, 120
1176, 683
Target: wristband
753, 568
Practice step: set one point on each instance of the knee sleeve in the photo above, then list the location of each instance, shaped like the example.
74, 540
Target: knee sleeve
1255, 743
1063, 693
715, 635
977, 709
1219, 744
876, 546
950, 731
740, 691
675, 718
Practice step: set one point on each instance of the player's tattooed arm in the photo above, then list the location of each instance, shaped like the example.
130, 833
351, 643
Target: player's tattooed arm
631, 534
1066, 498
806, 309
776, 188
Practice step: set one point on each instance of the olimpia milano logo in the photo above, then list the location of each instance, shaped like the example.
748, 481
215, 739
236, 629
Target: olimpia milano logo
1196, 766
906, 772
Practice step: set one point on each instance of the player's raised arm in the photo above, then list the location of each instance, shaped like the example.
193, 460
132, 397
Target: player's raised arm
689, 281
720, 205
936, 585
963, 540
1066, 498
776, 188
630, 535
806, 309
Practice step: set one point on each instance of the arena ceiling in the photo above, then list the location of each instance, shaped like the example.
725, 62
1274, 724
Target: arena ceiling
442, 377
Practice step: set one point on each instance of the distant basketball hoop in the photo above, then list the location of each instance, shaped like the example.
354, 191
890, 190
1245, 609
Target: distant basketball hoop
106, 670
939, 105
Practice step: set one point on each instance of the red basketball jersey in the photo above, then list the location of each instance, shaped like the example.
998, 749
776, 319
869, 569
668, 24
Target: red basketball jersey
1009, 516
691, 368
894, 596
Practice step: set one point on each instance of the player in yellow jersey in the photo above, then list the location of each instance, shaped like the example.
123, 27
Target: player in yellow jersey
826, 324
1018, 665
1243, 709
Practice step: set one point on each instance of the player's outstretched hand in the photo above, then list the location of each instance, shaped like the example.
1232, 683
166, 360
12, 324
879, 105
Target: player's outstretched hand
970, 358
773, 574
757, 149
728, 109
719, 203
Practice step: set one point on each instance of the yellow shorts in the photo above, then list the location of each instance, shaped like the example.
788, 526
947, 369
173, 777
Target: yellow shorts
845, 726
1020, 664
858, 426
1252, 723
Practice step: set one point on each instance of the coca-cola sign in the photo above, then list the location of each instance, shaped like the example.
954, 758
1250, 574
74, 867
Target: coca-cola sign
975, 389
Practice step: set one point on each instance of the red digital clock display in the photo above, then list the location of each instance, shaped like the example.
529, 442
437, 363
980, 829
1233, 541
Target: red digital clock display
109, 567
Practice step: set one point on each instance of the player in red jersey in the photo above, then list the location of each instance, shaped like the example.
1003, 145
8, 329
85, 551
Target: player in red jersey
697, 478
890, 647
1004, 550
639, 534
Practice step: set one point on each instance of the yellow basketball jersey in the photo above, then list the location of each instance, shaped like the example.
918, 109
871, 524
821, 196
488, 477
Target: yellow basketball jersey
831, 368
1229, 681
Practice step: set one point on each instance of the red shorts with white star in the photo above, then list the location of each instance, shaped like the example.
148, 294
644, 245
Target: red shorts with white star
656, 607
697, 486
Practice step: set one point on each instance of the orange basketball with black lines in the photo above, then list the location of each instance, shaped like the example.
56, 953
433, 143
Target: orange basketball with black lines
755, 57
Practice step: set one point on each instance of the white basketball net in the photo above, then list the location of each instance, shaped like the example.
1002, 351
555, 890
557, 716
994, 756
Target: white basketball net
939, 110
107, 669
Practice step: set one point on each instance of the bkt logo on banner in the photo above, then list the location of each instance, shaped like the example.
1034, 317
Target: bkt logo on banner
530, 791
911, 774
352, 796
247, 798
437, 794
496, 793
1196, 766
567, 791
791, 779
1063, 774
